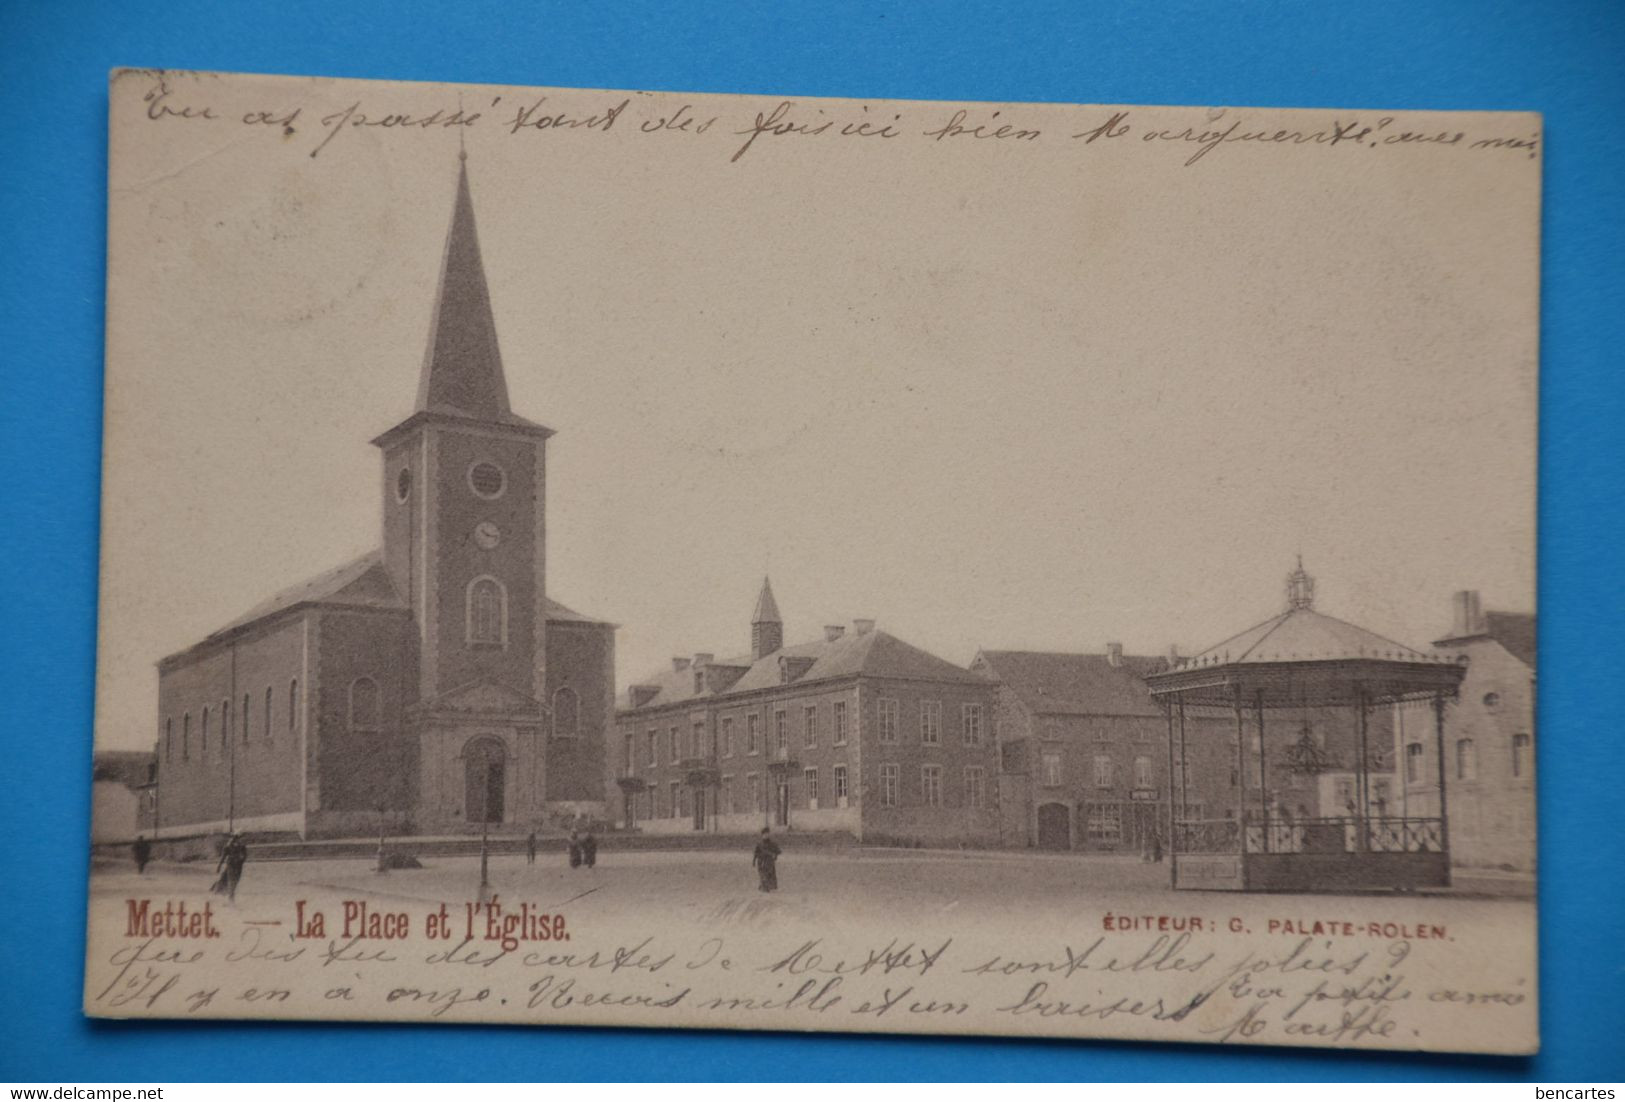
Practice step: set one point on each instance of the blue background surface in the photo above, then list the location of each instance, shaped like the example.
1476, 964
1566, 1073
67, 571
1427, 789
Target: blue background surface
1566, 59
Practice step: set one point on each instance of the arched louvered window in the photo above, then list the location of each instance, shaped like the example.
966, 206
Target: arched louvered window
364, 709
487, 611
566, 713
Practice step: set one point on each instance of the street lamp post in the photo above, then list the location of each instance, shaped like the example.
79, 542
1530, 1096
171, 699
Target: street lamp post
485, 861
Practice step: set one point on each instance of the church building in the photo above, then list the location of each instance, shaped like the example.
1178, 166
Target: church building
431, 685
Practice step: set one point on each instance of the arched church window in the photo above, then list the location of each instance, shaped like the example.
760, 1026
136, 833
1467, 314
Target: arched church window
487, 611
225, 725
248, 717
293, 705
186, 736
364, 704
203, 736
566, 713
403, 484
169, 738
269, 696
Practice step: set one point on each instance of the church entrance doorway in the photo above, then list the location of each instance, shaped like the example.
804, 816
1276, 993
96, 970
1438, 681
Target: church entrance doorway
1054, 826
485, 776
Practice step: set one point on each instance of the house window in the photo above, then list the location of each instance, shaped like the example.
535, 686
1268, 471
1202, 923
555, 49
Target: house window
270, 695
293, 705
631, 768
780, 731
1103, 771
726, 796
930, 723
1413, 762
971, 718
487, 604
1142, 773
1051, 764
728, 737
1466, 760
675, 803
566, 713
1104, 824
699, 681
888, 720
1520, 755
248, 717
753, 733
840, 782
675, 741
1492, 701
888, 785
931, 785
702, 748
809, 777
975, 787
654, 747
363, 704
809, 725
753, 781
838, 721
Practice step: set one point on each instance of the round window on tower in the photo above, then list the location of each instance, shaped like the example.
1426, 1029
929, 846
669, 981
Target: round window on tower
487, 479
403, 485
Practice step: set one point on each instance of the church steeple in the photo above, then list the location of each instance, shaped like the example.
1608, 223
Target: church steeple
462, 366
766, 626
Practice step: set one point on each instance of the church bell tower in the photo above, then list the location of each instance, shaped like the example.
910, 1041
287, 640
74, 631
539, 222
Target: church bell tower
464, 519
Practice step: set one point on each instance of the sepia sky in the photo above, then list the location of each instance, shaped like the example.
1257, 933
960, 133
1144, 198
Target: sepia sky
1038, 395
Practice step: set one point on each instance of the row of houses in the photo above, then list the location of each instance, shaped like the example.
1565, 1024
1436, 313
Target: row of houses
859, 731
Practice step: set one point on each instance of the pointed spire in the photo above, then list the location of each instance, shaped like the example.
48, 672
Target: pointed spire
767, 609
766, 627
462, 367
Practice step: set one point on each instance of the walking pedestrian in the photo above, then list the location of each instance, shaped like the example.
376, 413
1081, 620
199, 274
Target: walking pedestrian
575, 848
589, 849
530, 849
141, 850
230, 866
766, 860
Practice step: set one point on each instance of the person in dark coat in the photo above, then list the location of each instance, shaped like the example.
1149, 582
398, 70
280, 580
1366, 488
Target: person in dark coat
141, 850
530, 849
766, 860
589, 849
575, 849
230, 866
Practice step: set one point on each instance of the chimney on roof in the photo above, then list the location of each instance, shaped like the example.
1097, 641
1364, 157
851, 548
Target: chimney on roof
1173, 655
1114, 654
1469, 615
833, 632
704, 659
678, 665
862, 627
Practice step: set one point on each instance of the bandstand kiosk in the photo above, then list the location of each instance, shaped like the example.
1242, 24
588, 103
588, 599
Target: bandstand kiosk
1298, 661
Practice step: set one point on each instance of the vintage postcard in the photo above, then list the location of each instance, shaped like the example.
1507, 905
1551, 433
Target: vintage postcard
582, 557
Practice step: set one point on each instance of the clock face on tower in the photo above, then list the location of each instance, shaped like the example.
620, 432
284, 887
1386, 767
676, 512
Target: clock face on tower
487, 534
